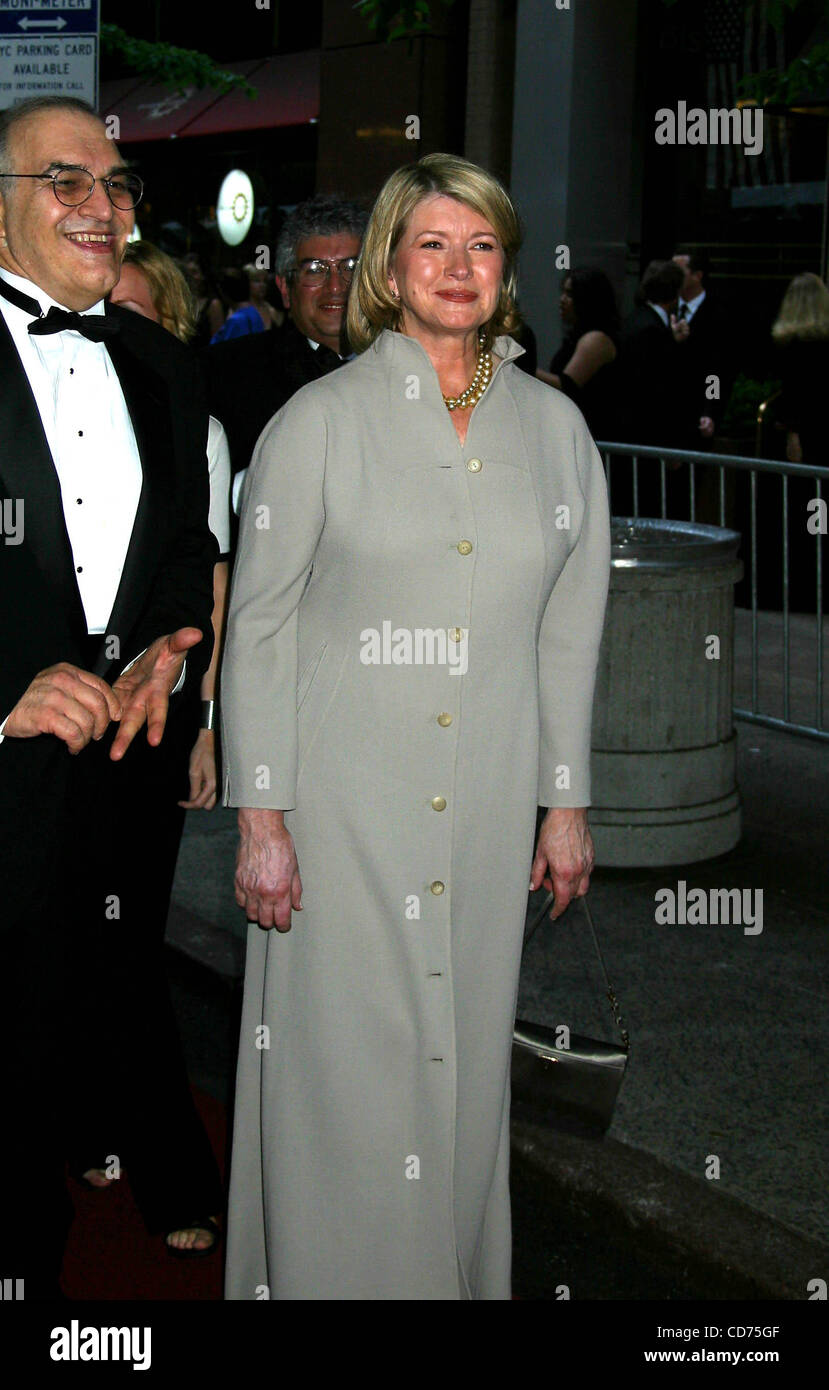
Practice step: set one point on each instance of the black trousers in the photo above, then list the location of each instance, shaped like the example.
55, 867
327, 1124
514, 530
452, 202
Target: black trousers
91, 1057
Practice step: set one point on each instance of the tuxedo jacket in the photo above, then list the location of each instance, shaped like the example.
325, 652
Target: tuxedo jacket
708, 351
166, 583
250, 379
651, 400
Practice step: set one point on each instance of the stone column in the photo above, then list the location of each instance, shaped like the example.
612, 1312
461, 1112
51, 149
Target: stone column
572, 145
489, 85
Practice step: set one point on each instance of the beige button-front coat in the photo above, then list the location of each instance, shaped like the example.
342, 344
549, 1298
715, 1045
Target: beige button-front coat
413, 637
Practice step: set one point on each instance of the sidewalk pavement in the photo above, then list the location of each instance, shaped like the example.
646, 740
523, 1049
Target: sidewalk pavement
728, 1037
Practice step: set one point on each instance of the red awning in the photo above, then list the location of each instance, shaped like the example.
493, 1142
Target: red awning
287, 93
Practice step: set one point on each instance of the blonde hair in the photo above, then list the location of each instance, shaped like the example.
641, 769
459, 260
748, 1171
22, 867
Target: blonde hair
171, 295
371, 307
804, 312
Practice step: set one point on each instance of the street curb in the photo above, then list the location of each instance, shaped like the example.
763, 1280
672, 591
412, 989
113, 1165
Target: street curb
730, 1250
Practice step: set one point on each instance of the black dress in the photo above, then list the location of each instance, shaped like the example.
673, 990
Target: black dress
804, 368
597, 399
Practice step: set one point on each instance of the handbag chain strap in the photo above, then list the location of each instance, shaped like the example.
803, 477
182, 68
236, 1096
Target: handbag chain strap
611, 993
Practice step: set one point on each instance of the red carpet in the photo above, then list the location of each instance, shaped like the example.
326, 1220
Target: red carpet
110, 1255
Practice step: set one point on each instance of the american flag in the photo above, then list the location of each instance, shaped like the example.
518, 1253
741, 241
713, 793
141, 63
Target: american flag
739, 40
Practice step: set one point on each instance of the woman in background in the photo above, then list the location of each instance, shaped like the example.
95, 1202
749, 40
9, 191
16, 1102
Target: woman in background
209, 309
583, 367
243, 317
258, 281
801, 332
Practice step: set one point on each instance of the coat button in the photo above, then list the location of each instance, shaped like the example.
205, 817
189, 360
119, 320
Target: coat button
437, 887
438, 803
464, 547
455, 634
444, 720
474, 465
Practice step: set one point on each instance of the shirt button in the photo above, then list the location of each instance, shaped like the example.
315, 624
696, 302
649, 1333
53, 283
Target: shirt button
79, 500
437, 887
444, 720
455, 634
474, 465
80, 434
464, 547
79, 569
438, 803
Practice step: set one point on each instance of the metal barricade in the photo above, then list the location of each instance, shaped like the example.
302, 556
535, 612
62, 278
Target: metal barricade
795, 634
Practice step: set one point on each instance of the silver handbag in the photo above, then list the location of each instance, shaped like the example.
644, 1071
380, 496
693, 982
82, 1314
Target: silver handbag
571, 1088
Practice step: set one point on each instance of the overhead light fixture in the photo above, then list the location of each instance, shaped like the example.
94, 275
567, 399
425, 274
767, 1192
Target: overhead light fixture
234, 210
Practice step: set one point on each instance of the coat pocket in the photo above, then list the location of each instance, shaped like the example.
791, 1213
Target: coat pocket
308, 676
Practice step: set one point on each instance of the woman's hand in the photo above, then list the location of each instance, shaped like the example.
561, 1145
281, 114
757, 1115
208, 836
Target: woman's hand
202, 772
564, 856
267, 879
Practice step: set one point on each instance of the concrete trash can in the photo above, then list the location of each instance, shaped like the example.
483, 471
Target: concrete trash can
664, 746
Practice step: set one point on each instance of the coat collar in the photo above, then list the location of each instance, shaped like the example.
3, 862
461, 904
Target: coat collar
389, 344
27, 472
148, 408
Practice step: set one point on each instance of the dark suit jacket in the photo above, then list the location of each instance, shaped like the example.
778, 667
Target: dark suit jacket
803, 365
250, 379
650, 391
708, 351
167, 580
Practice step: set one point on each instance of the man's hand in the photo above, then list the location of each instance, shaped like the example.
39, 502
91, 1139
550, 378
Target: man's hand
680, 328
564, 856
63, 700
267, 880
706, 426
144, 690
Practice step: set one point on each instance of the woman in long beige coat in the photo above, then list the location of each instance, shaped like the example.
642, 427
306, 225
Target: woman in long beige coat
414, 629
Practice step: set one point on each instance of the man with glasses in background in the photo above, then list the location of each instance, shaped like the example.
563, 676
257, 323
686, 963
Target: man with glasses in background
106, 570
252, 378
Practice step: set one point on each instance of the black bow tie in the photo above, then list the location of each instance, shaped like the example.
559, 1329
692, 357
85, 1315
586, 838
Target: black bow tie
96, 327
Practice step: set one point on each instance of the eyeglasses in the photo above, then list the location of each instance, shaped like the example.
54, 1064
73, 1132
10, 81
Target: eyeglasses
73, 186
318, 271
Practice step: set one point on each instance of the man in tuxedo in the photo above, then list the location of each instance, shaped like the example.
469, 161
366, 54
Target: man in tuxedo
251, 379
649, 387
106, 567
704, 336
648, 360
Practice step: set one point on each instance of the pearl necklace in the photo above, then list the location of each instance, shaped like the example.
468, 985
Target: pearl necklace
478, 384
